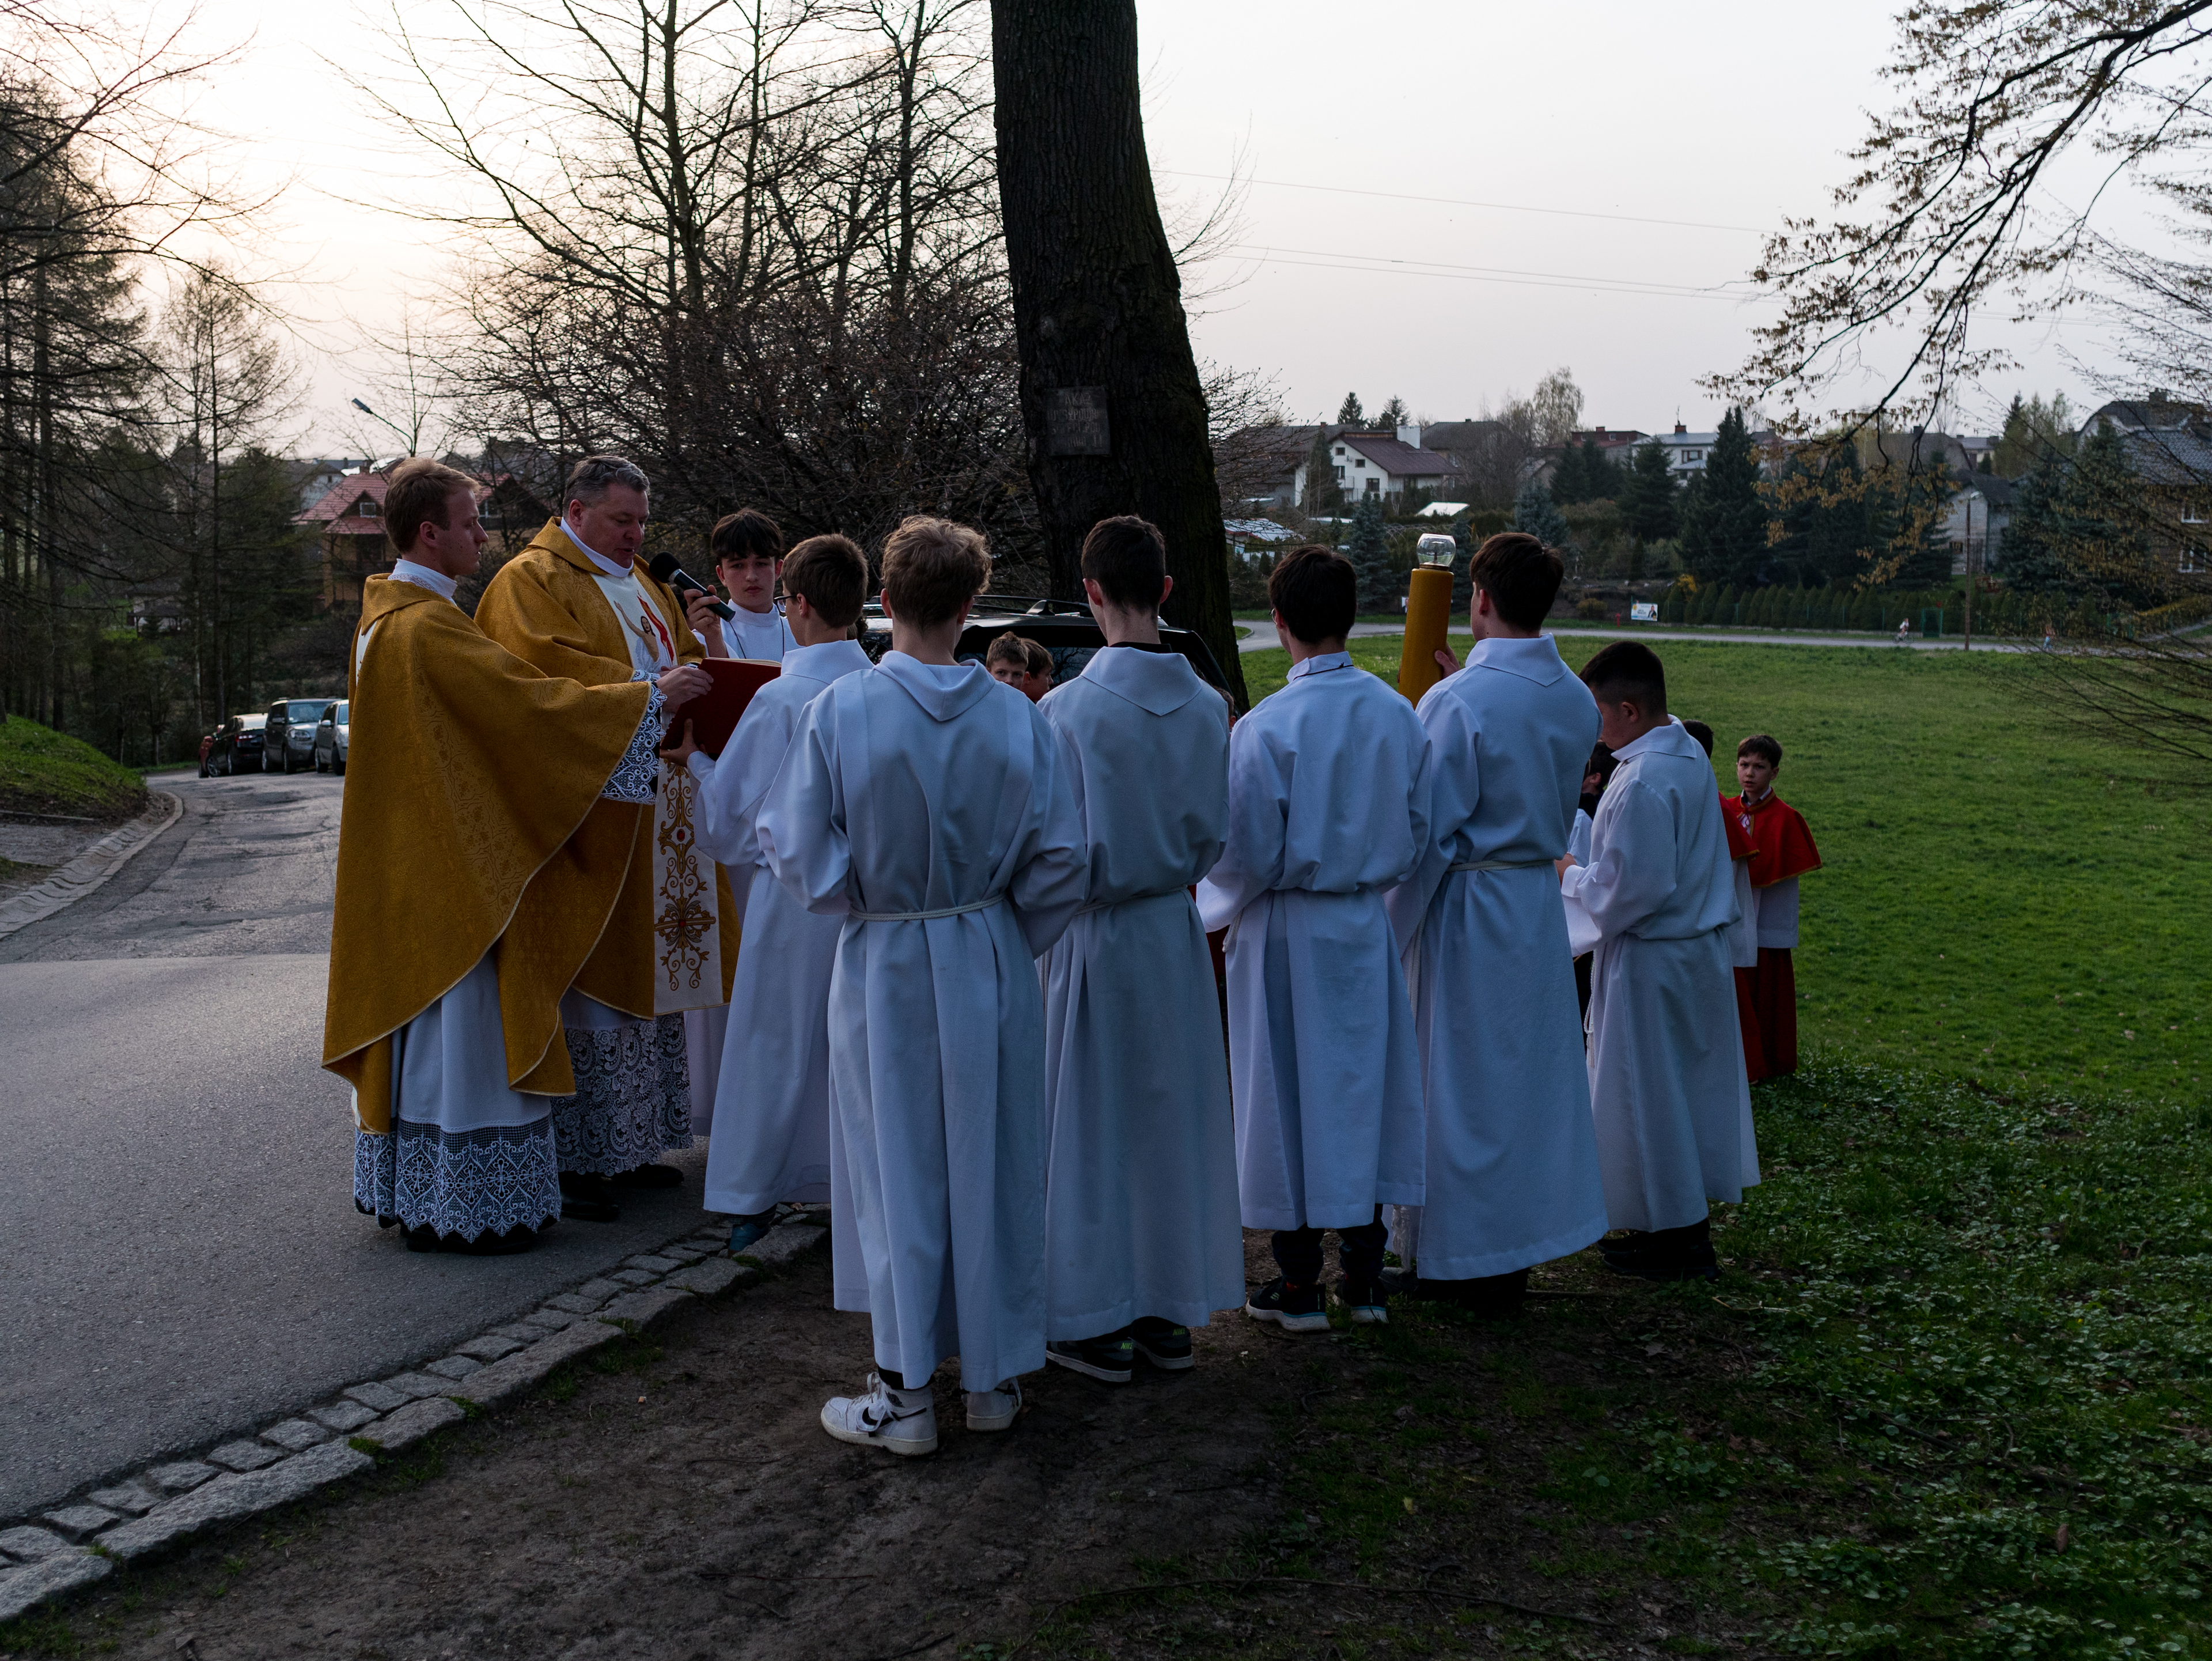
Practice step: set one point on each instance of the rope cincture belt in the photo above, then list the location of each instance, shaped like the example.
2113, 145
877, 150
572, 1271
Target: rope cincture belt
1131, 899
983, 904
1498, 865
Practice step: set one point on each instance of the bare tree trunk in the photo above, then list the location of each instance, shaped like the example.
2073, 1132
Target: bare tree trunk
1098, 307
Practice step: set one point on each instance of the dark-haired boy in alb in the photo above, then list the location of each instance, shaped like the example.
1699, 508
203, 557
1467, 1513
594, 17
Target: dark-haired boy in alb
1512, 1169
1328, 810
771, 1091
1656, 900
748, 552
1141, 1236
1782, 852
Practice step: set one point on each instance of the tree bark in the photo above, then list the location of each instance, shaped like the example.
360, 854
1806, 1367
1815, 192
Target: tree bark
1098, 303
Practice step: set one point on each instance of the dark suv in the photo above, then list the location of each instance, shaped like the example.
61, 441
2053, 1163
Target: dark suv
237, 747
291, 730
1063, 627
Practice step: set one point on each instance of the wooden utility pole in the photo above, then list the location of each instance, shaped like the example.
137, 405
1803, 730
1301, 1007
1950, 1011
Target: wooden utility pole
1111, 397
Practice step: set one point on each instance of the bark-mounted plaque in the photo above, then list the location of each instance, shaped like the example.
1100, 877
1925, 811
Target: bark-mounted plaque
1075, 422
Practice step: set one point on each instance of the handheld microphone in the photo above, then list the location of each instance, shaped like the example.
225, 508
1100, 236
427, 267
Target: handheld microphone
665, 567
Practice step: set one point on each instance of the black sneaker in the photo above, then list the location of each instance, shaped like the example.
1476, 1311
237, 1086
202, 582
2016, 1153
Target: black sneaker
1293, 1308
1656, 1257
1111, 1359
649, 1175
1365, 1301
1162, 1344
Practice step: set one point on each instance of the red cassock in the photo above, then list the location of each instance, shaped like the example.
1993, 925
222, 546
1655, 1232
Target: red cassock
1781, 848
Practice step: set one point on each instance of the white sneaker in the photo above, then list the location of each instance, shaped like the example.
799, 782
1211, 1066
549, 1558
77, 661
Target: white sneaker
903, 1421
994, 1410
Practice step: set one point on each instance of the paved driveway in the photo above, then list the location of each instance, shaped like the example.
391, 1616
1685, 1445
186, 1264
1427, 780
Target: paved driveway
176, 1209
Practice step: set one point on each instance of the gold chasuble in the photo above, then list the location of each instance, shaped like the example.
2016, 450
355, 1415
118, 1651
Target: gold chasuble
671, 944
472, 823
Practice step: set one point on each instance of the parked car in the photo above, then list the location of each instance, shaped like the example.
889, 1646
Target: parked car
1063, 627
291, 730
331, 740
238, 746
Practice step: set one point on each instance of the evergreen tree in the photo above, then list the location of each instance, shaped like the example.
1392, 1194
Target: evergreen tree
1922, 501
1647, 495
1570, 477
1349, 413
1394, 415
1724, 520
2029, 558
1322, 492
1606, 477
1463, 546
1534, 513
1825, 524
1369, 551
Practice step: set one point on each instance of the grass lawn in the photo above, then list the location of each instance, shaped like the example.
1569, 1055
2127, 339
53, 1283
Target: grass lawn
1953, 1396
43, 771
2000, 898
1949, 1400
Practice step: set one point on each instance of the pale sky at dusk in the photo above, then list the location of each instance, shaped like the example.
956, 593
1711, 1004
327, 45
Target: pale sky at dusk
1368, 133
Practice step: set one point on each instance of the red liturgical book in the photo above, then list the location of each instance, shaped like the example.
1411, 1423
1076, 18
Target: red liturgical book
714, 716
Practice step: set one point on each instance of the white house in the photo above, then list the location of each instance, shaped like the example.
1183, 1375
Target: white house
1686, 451
1371, 464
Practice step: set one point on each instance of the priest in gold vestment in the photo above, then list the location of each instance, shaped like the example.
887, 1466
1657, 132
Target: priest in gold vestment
490, 813
578, 602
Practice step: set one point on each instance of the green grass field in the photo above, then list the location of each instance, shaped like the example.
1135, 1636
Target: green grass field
2002, 896
43, 771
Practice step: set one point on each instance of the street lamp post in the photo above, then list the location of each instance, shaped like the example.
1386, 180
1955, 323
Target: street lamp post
373, 416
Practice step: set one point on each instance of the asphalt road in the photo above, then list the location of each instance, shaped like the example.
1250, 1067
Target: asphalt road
184, 1260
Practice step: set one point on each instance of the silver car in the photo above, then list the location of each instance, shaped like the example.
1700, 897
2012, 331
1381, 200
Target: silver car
331, 740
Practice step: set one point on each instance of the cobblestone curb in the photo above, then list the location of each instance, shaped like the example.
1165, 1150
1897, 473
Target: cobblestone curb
69, 1546
90, 869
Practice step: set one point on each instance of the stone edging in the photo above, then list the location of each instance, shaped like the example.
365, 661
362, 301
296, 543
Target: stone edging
90, 869
81, 1541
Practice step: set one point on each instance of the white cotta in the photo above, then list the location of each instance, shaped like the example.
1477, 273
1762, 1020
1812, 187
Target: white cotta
1667, 1085
1140, 1199
1512, 1167
762, 634
918, 788
1327, 808
772, 1093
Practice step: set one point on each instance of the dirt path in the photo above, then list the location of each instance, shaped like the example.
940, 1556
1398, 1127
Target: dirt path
1378, 1492
689, 1506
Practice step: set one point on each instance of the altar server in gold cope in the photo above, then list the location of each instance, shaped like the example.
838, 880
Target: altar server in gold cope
1141, 1235
1512, 1165
578, 602
489, 810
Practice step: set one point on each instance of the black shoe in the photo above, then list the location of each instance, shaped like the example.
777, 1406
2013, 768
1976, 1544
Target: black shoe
1666, 1253
425, 1238
521, 1238
1162, 1344
1108, 1358
587, 1198
1401, 1282
1293, 1308
649, 1175
1365, 1301
1491, 1296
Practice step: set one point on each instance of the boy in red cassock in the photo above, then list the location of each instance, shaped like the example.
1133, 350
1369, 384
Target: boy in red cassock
1782, 852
